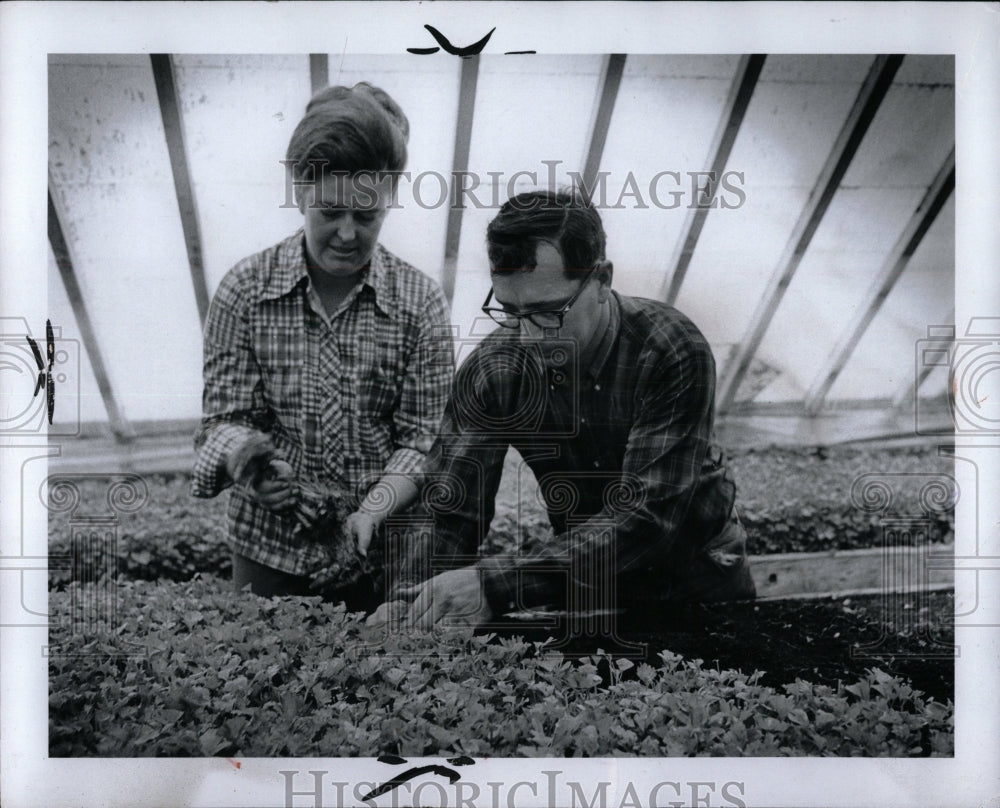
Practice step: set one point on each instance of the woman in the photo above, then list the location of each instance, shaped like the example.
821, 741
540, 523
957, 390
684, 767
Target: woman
327, 362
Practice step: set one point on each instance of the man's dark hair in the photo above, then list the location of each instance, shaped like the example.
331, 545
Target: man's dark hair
563, 218
350, 130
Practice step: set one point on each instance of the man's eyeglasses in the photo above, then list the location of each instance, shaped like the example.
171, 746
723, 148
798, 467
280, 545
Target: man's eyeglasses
542, 318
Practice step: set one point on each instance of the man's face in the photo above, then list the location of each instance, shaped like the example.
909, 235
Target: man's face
343, 217
549, 287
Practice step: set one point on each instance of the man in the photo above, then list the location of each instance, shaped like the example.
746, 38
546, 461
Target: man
609, 400
327, 360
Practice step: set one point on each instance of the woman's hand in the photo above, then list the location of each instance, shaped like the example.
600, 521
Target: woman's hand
361, 527
275, 489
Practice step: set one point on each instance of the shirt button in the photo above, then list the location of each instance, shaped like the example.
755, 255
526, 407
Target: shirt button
597, 464
583, 420
597, 387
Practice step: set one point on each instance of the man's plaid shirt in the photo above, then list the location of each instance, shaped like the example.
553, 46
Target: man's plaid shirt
345, 398
633, 485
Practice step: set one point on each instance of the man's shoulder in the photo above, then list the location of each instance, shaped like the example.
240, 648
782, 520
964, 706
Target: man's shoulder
660, 327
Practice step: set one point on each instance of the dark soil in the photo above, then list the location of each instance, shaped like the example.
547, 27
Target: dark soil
823, 641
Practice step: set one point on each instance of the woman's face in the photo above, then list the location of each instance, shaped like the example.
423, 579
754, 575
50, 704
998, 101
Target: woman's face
343, 217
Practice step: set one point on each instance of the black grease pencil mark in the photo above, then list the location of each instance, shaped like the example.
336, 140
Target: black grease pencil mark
390, 785
45, 372
464, 52
470, 50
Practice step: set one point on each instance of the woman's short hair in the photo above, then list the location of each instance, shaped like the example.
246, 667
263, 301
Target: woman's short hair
350, 130
562, 218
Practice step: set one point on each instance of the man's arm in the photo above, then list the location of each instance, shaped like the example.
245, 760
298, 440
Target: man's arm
463, 469
459, 482
232, 401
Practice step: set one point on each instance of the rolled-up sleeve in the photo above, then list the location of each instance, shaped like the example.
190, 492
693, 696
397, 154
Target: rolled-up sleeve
426, 384
232, 402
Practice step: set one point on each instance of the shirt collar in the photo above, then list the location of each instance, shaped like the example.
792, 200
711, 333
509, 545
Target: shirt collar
607, 343
289, 270
379, 278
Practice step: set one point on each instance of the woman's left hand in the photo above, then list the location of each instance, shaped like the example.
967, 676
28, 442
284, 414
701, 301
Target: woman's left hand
361, 527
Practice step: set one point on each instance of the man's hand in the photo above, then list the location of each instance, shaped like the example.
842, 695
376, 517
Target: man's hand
456, 596
361, 527
390, 613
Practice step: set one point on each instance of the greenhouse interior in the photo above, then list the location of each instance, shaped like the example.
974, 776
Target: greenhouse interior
799, 209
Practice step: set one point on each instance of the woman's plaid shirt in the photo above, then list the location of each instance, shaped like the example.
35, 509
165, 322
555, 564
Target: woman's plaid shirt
346, 399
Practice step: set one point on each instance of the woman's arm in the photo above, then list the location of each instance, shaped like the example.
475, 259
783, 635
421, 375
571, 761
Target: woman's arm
233, 406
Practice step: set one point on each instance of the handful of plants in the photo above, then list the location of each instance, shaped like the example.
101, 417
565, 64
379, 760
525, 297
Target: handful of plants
318, 514
321, 516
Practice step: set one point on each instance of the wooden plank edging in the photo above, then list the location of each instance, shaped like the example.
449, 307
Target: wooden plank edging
870, 570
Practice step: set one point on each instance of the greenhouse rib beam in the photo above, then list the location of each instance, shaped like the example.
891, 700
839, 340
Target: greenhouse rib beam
319, 71
120, 427
920, 222
873, 91
908, 392
611, 80
459, 166
744, 81
173, 130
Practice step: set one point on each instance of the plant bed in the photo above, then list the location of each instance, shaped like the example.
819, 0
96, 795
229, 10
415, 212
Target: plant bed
829, 640
171, 536
190, 669
791, 500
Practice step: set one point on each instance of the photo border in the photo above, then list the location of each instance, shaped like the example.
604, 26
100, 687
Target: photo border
30, 31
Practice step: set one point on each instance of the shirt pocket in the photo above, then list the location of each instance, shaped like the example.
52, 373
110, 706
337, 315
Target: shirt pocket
283, 388
280, 361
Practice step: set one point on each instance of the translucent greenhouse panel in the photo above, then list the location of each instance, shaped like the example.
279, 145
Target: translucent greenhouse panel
906, 145
427, 91
241, 186
472, 281
238, 114
887, 357
833, 281
797, 109
912, 132
667, 111
528, 110
737, 252
111, 177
